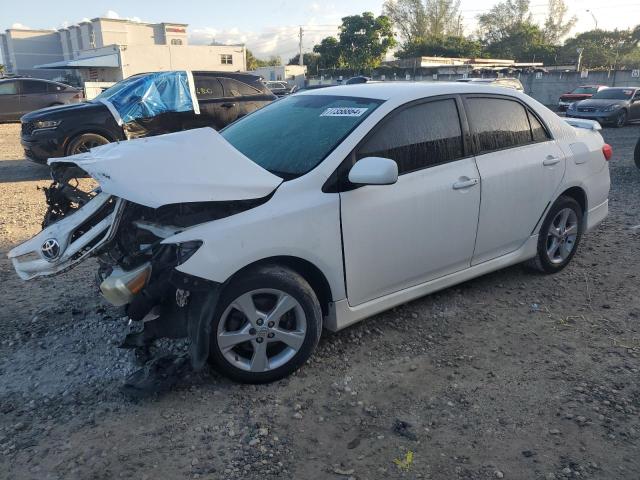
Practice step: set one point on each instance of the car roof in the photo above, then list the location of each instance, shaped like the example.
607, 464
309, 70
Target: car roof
409, 90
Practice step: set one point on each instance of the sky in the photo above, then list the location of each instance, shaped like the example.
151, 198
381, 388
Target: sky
271, 27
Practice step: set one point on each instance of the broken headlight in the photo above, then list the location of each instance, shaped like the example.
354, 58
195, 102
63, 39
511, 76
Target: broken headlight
185, 250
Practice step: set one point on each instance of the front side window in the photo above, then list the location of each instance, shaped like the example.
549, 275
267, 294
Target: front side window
208, 87
292, 136
497, 124
418, 137
585, 90
226, 59
8, 88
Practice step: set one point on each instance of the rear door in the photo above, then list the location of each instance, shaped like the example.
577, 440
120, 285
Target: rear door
520, 167
34, 95
9, 100
422, 227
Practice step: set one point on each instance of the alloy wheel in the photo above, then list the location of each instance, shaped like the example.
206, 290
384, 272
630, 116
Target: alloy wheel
261, 330
562, 235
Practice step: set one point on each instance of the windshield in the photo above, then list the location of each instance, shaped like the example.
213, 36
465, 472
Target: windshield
291, 136
148, 95
585, 90
614, 94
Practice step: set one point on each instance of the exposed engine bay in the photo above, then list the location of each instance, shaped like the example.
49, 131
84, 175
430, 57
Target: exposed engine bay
129, 230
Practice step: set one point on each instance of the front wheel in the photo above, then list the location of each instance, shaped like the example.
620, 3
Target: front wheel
266, 325
85, 142
621, 119
559, 236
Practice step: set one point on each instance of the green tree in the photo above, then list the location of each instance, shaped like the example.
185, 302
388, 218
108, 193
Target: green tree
329, 51
365, 39
449, 46
524, 42
602, 48
416, 20
308, 59
254, 62
556, 25
503, 19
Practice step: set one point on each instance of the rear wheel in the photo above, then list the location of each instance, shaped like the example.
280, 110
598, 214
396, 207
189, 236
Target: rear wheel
267, 324
559, 236
85, 142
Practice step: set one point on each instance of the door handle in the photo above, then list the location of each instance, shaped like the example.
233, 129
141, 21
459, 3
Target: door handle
551, 160
461, 184
228, 105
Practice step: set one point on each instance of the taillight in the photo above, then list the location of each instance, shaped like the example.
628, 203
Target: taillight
607, 151
78, 96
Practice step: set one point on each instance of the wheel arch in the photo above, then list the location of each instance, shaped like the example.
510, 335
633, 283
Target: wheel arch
580, 196
310, 272
95, 130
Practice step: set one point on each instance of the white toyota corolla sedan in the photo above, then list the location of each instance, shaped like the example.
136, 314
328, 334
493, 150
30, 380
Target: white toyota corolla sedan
322, 209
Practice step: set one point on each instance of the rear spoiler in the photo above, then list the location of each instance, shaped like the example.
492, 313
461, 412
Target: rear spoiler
583, 123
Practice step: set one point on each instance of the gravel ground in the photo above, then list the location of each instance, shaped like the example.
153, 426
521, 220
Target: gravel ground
512, 375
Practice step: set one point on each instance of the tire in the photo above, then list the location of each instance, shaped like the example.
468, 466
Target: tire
553, 257
236, 342
636, 154
621, 119
85, 142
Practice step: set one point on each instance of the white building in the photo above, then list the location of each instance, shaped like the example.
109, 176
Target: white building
292, 74
108, 50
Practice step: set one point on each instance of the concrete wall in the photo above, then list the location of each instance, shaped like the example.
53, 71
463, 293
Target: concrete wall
27, 48
152, 58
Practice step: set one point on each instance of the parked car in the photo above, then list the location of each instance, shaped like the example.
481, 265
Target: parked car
612, 106
23, 95
506, 82
579, 93
142, 105
280, 89
250, 243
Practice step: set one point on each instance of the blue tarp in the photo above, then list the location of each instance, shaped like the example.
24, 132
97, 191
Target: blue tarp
150, 94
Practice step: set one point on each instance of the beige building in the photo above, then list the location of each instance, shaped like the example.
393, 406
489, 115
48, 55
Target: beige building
108, 50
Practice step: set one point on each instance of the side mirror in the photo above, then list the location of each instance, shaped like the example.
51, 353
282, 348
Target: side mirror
374, 171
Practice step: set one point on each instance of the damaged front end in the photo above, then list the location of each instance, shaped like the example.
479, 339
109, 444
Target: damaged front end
150, 190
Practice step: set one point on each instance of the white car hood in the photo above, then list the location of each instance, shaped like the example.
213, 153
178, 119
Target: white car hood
190, 166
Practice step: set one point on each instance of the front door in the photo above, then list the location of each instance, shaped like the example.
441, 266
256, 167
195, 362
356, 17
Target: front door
520, 166
635, 106
422, 227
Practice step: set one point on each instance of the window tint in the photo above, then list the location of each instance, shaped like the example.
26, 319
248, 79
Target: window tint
33, 86
8, 88
537, 130
419, 136
497, 123
208, 87
235, 88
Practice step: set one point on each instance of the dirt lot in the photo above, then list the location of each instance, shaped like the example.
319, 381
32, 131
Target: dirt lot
512, 375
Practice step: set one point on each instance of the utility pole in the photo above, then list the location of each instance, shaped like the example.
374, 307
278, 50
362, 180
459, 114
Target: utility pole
595, 20
301, 57
579, 51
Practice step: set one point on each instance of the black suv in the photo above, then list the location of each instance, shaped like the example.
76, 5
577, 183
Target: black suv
70, 129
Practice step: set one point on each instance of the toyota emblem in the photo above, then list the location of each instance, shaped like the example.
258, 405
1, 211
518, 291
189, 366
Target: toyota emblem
50, 249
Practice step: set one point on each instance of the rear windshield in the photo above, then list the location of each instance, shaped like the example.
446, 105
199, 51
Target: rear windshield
614, 94
585, 90
293, 135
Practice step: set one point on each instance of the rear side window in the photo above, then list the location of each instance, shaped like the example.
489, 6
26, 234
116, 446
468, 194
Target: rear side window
418, 137
33, 86
208, 88
497, 124
235, 88
8, 88
538, 132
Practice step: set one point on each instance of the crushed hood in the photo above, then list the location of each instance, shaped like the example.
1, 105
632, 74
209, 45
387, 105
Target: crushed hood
190, 166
